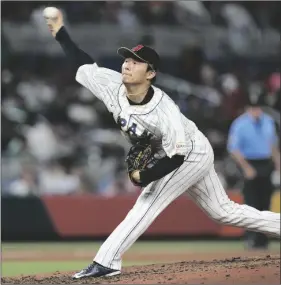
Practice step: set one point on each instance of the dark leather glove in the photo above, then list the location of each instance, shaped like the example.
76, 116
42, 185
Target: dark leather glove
137, 159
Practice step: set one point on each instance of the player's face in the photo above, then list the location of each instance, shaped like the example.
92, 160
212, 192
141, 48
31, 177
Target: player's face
135, 72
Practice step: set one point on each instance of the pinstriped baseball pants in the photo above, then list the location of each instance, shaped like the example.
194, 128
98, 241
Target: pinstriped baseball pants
198, 178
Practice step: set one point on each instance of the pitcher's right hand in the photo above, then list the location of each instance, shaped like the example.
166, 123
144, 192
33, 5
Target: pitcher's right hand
54, 19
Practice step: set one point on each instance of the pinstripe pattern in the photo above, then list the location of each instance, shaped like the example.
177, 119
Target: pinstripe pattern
157, 185
197, 178
153, 200
172, 133
161, 117
209, 194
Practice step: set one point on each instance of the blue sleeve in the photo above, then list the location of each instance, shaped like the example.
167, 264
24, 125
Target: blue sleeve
234, 138
274, 137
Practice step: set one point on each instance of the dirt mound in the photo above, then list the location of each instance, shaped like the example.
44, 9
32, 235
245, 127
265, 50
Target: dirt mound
235, 270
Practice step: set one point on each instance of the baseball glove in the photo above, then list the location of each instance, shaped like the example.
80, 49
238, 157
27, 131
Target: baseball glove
138, 158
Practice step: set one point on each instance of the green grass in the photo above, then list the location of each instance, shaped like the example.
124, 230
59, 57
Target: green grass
15, 268
176, 246
12, 268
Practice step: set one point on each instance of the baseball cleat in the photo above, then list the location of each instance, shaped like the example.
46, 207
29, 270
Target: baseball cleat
96, 270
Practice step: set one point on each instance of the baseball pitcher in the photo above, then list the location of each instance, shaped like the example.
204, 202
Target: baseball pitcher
169, 155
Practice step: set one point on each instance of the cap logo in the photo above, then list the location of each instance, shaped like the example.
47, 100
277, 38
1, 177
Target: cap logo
137, 48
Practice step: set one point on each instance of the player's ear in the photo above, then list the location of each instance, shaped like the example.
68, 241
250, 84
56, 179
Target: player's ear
150, 74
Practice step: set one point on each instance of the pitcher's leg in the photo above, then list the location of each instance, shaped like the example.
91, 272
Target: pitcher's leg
209, 194
126, 233
153, 200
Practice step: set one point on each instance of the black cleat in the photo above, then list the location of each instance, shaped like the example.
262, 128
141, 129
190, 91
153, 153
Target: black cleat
96, 270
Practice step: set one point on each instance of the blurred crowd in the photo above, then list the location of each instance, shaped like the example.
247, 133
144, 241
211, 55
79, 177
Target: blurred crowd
57, 138
250, 14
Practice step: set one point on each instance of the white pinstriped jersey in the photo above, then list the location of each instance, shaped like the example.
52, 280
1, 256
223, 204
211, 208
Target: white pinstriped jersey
173, 133
170, 132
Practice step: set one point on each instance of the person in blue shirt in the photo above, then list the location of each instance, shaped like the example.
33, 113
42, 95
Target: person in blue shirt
253, 144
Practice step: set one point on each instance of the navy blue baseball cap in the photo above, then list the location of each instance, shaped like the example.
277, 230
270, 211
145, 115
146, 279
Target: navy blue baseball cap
141, 53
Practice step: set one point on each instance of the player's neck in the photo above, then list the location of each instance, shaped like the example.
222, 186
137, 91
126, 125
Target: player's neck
136, 93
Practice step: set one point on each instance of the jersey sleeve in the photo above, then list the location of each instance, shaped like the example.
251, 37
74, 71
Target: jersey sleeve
273, 136
234, 138
97, 79
173, 130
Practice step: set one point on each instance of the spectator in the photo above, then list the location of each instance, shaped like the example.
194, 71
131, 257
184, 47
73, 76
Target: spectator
126, 17
233, 99
25, 185
41, 141
242, 29
54, 180
192, 13
46, 115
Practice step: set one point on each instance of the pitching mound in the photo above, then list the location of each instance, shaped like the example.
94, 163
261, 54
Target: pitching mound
237, 270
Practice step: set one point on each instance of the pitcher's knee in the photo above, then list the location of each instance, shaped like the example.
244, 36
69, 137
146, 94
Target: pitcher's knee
226, 213
221, 217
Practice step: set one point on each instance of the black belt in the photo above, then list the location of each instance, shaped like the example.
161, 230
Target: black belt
264, 167
259, 161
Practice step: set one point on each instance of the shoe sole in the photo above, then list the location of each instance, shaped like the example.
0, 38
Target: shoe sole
106, 275
112, 274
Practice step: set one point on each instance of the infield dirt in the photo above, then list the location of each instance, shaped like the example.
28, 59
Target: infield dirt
256, 268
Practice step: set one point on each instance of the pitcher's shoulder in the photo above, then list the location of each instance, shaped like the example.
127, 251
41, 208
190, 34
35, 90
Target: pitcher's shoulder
165, 98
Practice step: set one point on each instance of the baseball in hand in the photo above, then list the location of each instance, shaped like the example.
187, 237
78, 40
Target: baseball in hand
54, 19
51, 12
